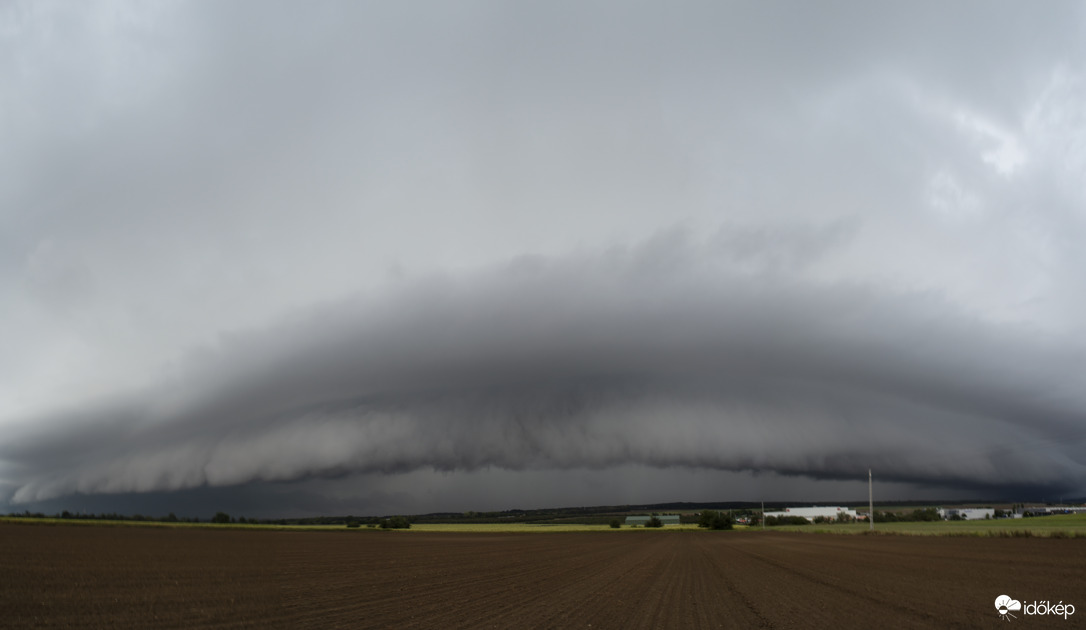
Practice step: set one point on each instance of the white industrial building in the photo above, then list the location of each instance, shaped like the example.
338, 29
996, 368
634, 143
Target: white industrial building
811, 513
967, 514
1037, 511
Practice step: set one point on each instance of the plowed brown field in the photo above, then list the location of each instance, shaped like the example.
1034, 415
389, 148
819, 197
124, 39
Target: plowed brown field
91, 576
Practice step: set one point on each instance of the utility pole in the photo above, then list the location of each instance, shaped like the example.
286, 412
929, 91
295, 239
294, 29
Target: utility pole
870, 503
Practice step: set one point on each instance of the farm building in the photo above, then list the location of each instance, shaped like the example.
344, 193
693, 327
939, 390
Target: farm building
967, 514
811, 513
668, 519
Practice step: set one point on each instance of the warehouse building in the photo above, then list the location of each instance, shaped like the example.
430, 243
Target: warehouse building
1044, 511
967, 514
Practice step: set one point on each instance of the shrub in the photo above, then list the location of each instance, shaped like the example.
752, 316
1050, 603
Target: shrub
926, 514
654, 521
615, 523
352, 523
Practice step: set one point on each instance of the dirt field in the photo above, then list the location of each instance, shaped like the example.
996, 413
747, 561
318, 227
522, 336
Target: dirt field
179, 578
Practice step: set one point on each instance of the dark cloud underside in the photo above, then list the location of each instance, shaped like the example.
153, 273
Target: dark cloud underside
654, 356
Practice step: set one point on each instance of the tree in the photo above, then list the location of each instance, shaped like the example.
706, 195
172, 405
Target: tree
654, 521
396, 522
220, 517
712, 519
615, 523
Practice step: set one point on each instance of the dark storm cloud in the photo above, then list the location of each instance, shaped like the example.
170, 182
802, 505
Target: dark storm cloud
668, 354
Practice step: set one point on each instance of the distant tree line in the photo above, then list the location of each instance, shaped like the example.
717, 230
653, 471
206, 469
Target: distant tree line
920, 514
224, 518
106, 516
220, 517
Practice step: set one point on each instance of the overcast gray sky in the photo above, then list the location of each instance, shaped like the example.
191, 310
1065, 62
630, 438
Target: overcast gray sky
417, 256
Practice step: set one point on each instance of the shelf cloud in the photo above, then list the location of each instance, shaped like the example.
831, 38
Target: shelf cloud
659, 355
